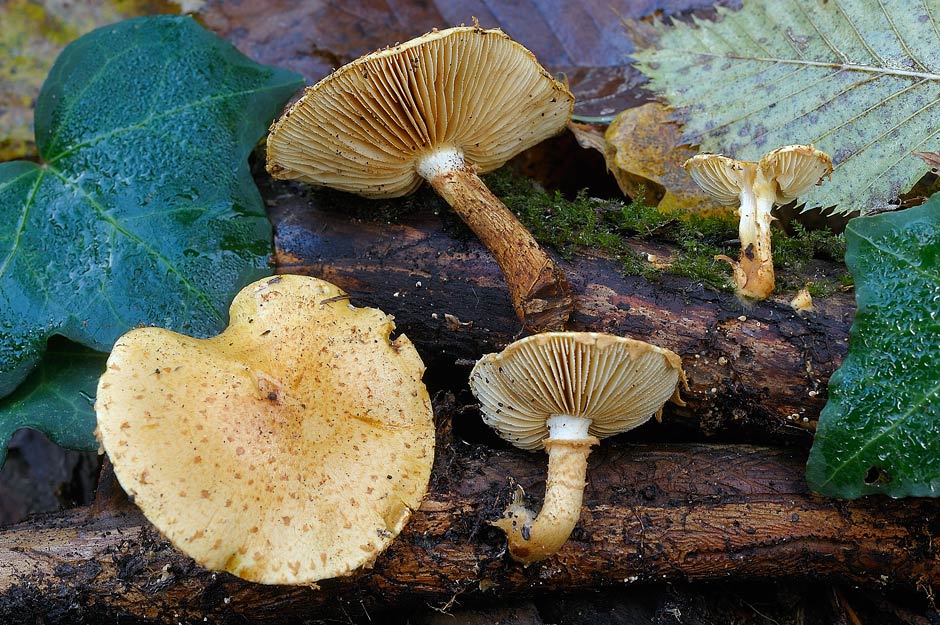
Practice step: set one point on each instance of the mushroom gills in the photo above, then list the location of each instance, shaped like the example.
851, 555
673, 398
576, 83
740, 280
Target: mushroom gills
562, 392
778, 178
441, 107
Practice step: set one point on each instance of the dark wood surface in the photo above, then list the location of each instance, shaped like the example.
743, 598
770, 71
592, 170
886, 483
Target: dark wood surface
758, 373
651, 514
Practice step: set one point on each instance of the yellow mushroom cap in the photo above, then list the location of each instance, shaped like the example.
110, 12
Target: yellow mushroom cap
291, 447
794, 169
618, 383
721, 177
365, 128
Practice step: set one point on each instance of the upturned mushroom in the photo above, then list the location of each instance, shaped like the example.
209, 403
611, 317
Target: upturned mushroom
778, 178
562, 391
290, 448
443, 108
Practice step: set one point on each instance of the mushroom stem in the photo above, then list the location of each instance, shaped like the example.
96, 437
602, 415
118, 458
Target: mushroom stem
540, 293
533, 537
754, 270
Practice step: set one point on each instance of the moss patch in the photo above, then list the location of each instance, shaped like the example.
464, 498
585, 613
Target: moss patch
569, 225
792, 255
617, 229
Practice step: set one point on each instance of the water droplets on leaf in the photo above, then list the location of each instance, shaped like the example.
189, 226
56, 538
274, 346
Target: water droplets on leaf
884, 401
135, 134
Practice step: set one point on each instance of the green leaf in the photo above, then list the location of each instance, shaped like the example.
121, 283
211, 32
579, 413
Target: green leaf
859, 79
32, 36
880, 430
57, 398
143, 211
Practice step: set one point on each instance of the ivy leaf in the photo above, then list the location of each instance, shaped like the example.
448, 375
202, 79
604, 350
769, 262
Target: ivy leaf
143, 210
32, 36
859, 79
56, 398
880, 430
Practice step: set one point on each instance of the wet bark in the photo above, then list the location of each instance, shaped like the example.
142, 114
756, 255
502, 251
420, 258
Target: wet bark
673, 512
651, 513
756, 374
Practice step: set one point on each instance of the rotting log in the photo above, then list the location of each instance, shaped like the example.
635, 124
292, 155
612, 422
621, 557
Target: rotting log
757, 373
651, 513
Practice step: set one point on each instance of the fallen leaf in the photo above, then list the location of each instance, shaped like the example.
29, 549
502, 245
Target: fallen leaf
860, 80
645, 153
584, 41
650, 146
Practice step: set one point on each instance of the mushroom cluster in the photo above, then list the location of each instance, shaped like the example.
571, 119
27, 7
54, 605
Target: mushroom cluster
440, 108
778, 178
562, 392
295, 445
291, 447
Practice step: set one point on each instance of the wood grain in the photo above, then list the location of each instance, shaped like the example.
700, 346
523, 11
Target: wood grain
651, 513
756, 374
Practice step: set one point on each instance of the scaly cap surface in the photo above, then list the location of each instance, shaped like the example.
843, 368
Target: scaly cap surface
290, 448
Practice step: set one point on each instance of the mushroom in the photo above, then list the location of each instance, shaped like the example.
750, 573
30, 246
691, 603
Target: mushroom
778, 178
291, 447
562, 391
442, 108
802, 302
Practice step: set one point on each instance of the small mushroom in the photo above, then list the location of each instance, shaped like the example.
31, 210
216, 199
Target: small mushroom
442, 107
778, 178
291, 447
562, 391
802, 302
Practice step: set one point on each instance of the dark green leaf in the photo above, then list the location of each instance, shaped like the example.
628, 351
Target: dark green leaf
880, 430
143, 210
56, 398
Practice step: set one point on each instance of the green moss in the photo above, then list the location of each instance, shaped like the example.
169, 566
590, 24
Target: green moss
609, 226
792, 255
569, 225
793, 252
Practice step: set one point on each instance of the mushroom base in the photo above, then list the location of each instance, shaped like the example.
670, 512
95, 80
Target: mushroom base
753, 278
753, 272
533, 537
